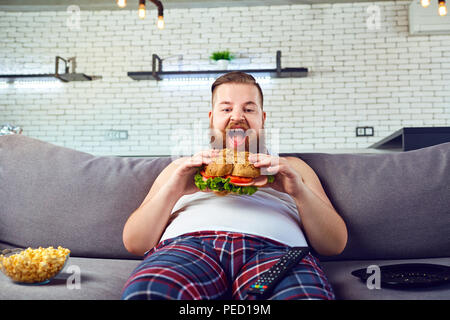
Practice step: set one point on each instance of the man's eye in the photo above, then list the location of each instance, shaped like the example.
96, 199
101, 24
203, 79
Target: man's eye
249, 110
226, 109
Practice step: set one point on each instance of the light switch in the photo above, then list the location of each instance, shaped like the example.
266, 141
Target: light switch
364, 131
360, 131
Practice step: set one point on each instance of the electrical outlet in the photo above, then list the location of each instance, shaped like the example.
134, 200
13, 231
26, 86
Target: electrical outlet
116, 135
364, 131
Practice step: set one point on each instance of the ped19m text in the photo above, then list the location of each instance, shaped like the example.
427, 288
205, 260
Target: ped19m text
239, 309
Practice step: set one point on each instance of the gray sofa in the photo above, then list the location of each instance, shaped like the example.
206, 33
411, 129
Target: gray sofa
396, 206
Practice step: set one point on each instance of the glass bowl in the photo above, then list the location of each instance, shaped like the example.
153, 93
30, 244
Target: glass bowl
33, 266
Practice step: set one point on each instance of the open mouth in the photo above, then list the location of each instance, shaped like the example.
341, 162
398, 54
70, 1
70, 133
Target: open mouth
235, 137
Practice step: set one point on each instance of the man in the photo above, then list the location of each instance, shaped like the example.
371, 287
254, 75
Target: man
201, 246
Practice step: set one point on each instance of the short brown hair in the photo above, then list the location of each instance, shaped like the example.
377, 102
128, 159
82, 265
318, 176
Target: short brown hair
236, 77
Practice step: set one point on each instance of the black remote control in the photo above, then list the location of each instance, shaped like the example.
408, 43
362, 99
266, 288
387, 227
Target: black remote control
267, 281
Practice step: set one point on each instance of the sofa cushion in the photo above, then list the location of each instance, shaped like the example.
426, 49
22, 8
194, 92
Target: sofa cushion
104, 279
395, 205
51, 195
81, 279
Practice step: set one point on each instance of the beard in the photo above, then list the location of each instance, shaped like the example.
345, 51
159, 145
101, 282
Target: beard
254, 140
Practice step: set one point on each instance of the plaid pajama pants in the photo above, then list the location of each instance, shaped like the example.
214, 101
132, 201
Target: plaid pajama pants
208, 265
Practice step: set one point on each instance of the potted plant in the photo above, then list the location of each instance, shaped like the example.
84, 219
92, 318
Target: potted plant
222, 59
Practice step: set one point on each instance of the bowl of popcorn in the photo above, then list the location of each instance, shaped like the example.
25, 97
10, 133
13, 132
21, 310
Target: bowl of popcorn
33, 266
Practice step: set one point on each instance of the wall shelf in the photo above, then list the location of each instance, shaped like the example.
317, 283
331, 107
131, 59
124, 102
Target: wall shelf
64, 77
157, 73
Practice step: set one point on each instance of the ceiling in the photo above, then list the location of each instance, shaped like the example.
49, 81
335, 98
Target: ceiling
91, 5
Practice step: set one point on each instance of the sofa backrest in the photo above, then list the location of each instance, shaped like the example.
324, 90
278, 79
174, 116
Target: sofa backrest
395, 205
51, 195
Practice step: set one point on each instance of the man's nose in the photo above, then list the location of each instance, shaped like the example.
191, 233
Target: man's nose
237, 115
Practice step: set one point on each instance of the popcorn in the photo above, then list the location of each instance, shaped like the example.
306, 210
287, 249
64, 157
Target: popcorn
34, 265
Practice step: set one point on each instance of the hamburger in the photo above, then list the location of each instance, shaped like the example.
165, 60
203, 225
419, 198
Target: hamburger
231, 172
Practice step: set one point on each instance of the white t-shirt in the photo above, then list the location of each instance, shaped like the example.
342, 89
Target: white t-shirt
267, 212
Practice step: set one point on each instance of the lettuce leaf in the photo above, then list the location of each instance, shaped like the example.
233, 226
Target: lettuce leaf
221, 184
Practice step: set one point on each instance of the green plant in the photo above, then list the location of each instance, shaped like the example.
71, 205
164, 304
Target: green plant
222, 55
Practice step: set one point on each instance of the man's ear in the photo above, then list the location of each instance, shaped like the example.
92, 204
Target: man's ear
210, 119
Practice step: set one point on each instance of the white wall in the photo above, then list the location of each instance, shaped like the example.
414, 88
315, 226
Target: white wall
361, 74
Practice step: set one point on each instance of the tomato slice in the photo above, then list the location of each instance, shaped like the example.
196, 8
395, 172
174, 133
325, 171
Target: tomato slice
235, 179
204, 174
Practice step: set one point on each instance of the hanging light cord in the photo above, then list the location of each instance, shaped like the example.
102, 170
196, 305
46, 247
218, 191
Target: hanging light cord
159, 5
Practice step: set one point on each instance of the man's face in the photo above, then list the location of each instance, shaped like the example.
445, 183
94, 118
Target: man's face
238, 116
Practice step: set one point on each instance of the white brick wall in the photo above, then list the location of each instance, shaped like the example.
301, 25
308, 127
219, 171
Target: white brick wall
359, 77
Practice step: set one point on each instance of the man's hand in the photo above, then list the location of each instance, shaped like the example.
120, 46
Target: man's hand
287, 179
182, 179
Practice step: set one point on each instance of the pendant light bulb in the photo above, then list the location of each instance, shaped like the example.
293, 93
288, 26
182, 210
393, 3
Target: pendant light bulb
121, 3
141, 10
425, 3
160, 22
442, 8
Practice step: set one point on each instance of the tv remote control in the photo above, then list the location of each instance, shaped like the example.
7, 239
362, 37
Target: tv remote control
269, 279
